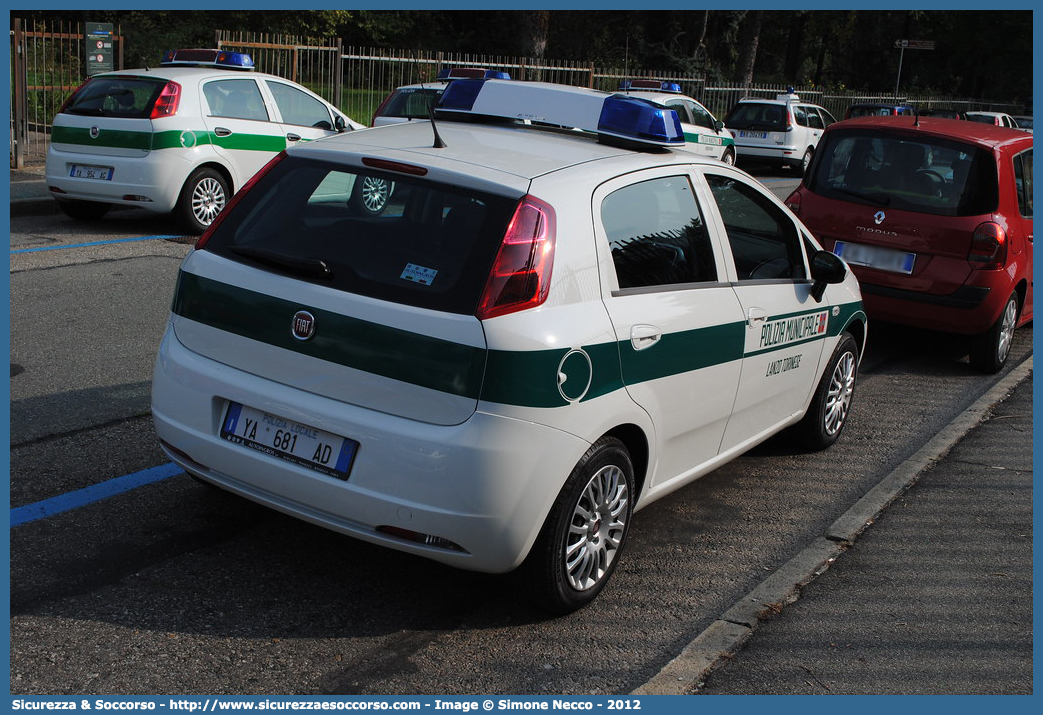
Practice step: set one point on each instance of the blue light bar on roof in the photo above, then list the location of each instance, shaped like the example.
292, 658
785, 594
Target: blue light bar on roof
209, 58
471, 73
650, 84
614, 115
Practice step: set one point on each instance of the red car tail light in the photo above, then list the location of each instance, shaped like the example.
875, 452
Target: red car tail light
520, 275
793, 202
988, 247
167, 101
237, 198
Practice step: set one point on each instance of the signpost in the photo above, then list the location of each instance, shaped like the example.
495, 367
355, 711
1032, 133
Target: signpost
99, 47
904, 45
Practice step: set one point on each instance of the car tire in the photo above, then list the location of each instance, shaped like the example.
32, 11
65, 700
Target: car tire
831, 403
989, 351
583, 537
728, 157
370, 195
84, 210
202, 198
805, 161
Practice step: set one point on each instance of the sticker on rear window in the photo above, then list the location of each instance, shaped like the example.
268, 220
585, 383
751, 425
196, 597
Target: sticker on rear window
418, 274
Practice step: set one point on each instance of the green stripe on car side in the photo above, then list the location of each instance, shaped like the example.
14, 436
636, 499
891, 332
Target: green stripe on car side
522, 378
170, 139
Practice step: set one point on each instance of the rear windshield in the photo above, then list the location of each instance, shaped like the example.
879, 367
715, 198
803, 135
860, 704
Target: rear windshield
411, 102
130, 97
403, 240
757, 115
924, 174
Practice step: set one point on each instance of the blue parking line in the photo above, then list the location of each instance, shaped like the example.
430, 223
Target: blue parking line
93, 243
88, 495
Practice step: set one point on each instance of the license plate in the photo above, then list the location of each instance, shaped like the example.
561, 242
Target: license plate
82, 171
287, 439
884, 259
746, 134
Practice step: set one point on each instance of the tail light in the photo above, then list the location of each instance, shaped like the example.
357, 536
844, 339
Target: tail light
520, 275
793, 202
167, 101
237, 198
988, 247
373, 121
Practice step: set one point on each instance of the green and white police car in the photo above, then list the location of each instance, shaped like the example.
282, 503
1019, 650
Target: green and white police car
703, 133
181, 137
545, 331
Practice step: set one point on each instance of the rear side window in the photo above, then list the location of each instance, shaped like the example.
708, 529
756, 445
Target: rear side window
925, 174
130, 97
1023, 180
381, 236
411, 103
235, 99
757, 115
657, 234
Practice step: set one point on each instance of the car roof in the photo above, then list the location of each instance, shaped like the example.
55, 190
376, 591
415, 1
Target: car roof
660, 97
496, 149
182, 73
982, 134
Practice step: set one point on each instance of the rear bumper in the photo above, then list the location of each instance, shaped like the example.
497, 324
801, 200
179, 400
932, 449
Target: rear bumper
483, 484
970, 310
154, 179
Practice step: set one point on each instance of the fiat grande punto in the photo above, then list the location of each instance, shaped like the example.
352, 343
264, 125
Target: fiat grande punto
547, 329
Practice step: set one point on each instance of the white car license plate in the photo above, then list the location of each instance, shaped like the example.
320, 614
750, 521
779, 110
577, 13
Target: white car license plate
293, 441
884, 259
752, 135
83, 171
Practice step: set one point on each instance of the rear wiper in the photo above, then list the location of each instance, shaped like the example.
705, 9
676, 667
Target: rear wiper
875, 197
315, 267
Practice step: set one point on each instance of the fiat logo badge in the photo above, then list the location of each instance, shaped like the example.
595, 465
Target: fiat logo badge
879, 217
95, 132
303, 326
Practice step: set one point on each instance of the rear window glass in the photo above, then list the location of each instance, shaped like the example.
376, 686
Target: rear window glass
411, 102
130, 97
757, 115
402, 240
923, 174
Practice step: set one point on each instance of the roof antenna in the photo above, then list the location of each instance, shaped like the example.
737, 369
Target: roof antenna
626, 65
439, 144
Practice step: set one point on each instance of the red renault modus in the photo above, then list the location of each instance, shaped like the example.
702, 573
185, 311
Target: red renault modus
935, 218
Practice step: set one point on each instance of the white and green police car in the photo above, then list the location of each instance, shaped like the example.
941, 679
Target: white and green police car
703, 133
181, 137
545, 331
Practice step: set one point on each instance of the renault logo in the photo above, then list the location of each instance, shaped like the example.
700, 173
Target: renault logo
95, 132
303, 326
879, 217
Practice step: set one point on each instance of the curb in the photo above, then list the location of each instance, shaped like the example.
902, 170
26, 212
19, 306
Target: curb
728, 634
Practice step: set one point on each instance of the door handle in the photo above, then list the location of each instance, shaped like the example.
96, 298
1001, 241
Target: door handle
293, 137
755, 317
222, 132
643, 337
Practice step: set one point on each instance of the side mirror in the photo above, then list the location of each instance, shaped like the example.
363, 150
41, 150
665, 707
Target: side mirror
826, 269
339, 124
718, 125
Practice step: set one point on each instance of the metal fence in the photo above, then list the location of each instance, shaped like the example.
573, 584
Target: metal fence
47, 63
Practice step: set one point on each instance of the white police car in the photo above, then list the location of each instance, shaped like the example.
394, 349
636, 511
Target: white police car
183, 136
415, 101
545, 331
704, 133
